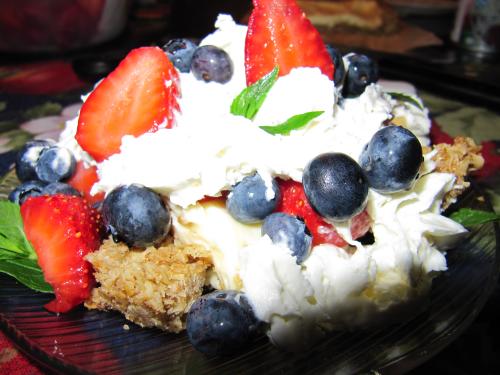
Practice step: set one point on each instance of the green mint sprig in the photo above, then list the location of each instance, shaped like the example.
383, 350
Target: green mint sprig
406, 98
249, 101
17, 257
293, 123
469, 217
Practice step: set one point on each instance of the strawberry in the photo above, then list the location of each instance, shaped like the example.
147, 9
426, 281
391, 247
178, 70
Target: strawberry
360, 224
63, 229
83, 179
279, 34
294, 202
139, 96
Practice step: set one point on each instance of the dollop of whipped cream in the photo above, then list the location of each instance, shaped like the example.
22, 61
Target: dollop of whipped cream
210, 150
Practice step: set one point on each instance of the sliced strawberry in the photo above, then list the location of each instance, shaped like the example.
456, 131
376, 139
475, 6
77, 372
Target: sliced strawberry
279, 34
294, 202
83, 179
139, 96
360, 224
63, 229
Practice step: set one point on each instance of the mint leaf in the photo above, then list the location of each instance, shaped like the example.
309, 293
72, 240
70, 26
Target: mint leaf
249, 101
469, 217
293, 123
406, 98
12, 238
17, 257
27, 272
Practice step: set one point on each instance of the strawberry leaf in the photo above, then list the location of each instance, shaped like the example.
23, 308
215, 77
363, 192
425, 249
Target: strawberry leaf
249, 101
406, 99
17, 257
293, 123
469, 217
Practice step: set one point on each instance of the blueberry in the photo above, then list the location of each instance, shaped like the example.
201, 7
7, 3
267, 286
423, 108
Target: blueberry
335, 186
180, 52
211, 63
27, 159
60, 188
55, 164
248, 202
338, 63
26, 189
361, 72
290, 230
136, 215
221, 322
392, 159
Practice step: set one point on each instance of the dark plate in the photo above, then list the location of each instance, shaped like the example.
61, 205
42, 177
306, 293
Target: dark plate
97, 342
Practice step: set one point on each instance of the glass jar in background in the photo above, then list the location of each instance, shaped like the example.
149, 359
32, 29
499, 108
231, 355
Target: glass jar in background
477, 26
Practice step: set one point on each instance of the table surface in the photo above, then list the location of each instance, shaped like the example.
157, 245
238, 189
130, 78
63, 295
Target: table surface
461, 91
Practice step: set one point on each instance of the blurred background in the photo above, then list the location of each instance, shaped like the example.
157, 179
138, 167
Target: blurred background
387, 25
87, 38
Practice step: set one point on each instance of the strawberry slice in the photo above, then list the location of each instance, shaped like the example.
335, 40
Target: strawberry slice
279, 34
294, 202
83, 179
139, 96
63, 229
360, 224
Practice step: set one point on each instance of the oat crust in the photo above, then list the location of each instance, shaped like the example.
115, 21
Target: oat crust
460, 158
153, 287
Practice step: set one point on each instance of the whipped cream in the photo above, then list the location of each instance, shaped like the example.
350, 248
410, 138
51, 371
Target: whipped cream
209, 150
333, 288
219, 149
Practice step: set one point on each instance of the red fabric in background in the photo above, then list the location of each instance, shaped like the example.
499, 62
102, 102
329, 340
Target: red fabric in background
50, 77
12, 362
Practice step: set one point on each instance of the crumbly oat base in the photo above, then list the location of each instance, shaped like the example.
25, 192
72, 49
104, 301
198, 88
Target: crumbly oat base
459, 158
153, 287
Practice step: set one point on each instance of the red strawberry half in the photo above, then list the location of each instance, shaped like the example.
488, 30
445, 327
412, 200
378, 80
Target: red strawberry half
294, 202
279, 34
139, 96
63, 229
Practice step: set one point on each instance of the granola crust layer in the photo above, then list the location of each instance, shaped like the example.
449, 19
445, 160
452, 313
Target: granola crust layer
153, 287
460, 158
